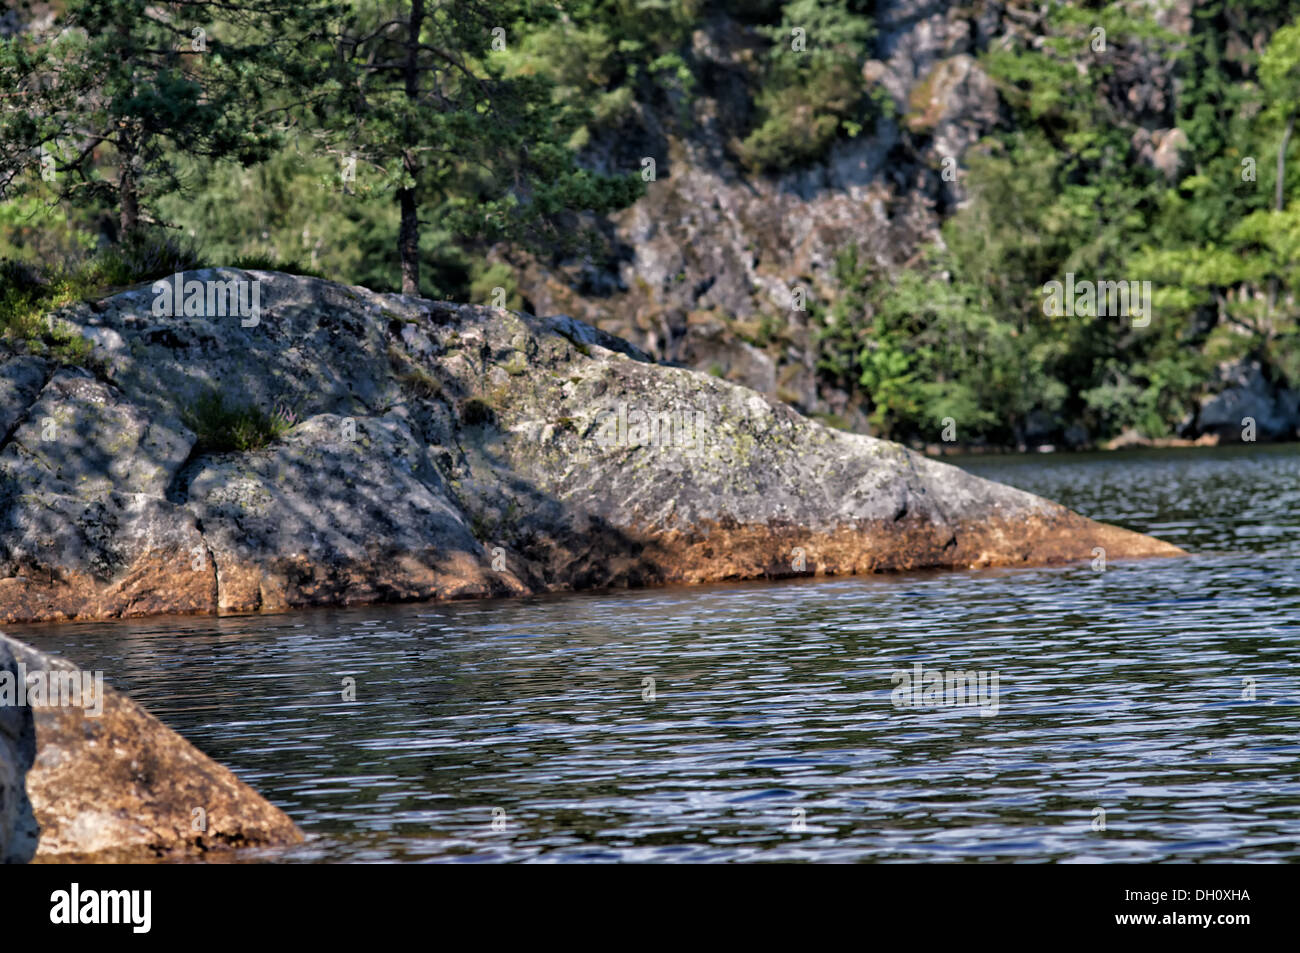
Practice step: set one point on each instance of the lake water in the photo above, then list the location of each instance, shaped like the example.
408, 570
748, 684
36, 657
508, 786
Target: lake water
528, 730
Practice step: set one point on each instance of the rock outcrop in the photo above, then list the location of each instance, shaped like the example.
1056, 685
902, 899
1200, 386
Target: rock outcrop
701, 270
1249, 407
444, 451
712, 250
86, 775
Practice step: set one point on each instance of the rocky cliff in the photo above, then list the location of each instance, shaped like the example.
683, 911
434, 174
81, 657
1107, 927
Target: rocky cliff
701, 270
427, 450
712, 248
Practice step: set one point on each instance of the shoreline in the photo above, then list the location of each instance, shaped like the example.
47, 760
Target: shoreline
883, 575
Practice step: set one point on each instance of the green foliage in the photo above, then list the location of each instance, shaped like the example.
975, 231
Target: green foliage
488, 278
26, 300
100, 107
1061, 190
143, 256
812, 92
29, 294
446, 126
923, 351
246, 150
258, 262
223, 426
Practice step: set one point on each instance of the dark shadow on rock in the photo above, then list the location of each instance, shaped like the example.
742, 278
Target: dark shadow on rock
19, 832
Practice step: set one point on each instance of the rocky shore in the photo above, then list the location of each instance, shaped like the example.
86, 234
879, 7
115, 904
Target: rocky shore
335, 446
424, 450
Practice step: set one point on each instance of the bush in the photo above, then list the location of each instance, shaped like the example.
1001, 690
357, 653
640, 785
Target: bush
802, 119
27, 296
264, 262
145, 256
810, 96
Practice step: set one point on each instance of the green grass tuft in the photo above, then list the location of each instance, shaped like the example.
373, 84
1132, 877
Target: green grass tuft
29, 294
264, 262
223, 426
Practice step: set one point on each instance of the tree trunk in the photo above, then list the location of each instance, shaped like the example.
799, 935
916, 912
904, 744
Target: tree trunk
128, 196
1281, 163
128, 147
408, 236
408, 242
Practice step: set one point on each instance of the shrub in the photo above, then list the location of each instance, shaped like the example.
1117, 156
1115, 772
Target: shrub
144, 256
475, 411
223, 426
268, 262
28, 294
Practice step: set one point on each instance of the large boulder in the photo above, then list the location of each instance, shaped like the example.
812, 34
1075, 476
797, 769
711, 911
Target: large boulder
96, 777
430, 450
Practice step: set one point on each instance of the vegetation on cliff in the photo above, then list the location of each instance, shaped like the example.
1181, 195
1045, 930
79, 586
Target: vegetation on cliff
1120, 143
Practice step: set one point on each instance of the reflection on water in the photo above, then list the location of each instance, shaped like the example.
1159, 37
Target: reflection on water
768, 730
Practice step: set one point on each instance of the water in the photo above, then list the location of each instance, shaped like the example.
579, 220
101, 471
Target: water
1120, 691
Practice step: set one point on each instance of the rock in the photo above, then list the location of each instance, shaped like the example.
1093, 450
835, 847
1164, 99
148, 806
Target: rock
1162, 149
711, 236
1130, 439
81, 439
738, 361
1077, 437
332, 517
83, 484
21, 379
1171, 147
118, 785
1247, 395
955, 104
453, 451
18, 828
1040, 427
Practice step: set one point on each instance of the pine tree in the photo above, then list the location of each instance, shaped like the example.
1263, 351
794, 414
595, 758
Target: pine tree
106, 103
424, 104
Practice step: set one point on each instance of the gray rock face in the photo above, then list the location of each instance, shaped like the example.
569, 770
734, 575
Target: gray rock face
82, 439
288, 527
1247, 395
711, 250
449, 451
21, 379
710, 254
